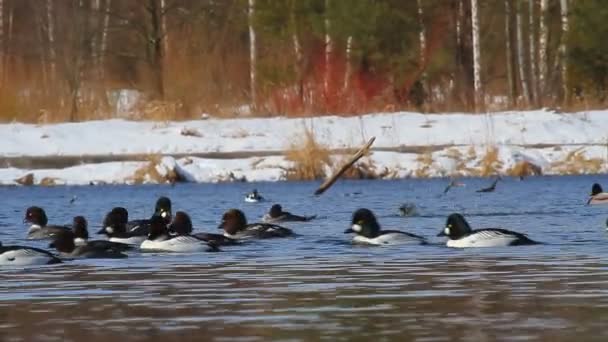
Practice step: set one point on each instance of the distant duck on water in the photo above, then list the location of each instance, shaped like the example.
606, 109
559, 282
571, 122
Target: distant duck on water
253, 197
597, 196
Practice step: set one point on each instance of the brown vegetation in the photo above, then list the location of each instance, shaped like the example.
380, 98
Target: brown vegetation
310, 158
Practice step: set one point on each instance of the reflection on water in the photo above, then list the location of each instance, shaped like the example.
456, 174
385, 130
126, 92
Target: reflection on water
317, 286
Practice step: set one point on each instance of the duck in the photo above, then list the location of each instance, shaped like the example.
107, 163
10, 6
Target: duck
598, 196
81, 237
14, 255
235, 226
115, 228
408, 209
253, 197
276, 214
182, 226
162, 208
460, 235
40, 229
367, 231
64, 243
159, 239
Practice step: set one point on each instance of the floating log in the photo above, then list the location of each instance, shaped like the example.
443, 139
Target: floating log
331, 180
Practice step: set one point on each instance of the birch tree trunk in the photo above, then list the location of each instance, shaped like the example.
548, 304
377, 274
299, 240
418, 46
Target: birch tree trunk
297, 49
422, 34
509, 53
520, 56
533, 98
163, 26
563, 51
348, 71
104, 39
252, 54
543, 35
51, 39
328, 50
476, 56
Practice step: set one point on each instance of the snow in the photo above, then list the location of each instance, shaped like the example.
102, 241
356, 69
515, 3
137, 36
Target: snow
543, 138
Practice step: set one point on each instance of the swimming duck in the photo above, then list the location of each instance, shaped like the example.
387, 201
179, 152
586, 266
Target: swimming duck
182, 226
461, 235
81, 237
25, 256
408, 209
39, 228
276, 214
115, 228
253, 197
159, 239
234, 224
64, 243
162, 208
367, 231
598, 196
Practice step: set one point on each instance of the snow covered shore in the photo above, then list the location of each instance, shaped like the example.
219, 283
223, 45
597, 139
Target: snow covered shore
449, 144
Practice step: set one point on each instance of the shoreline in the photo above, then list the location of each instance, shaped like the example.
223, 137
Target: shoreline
408, 145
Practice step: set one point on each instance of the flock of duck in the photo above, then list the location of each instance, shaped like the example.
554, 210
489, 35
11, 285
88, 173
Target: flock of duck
165, 232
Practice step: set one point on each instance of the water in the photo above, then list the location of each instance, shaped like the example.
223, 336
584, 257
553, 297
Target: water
318, 286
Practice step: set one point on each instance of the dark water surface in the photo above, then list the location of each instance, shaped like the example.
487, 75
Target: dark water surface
318, 286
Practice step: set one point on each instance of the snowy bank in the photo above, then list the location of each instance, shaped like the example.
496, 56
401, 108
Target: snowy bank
447, 145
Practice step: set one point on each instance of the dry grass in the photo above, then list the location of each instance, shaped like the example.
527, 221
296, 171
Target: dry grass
154, 171
490, 164
524, 169
576, 163
425, 164
310, 158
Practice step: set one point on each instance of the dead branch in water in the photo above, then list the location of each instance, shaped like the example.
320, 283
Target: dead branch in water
331, 180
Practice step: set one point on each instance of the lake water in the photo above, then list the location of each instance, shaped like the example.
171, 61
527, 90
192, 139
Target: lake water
318, 286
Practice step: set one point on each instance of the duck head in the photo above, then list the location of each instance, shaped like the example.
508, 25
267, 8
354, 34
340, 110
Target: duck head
364, 223
275, 211
163, 208
114, 222
233, 221
181, 224
63, 241
455, 227
596, 189
79, 227
36, 216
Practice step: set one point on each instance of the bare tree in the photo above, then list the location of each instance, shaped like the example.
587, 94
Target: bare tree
50, 14
476, 56
103, 45
533, 60
348, 71
563, 50
543, 36
509, 52
252, 53
520, 56
328, 49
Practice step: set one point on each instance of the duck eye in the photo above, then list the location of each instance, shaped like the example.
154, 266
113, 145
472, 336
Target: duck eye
360, 222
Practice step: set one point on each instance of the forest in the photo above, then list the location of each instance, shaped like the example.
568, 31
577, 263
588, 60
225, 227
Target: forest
76, 60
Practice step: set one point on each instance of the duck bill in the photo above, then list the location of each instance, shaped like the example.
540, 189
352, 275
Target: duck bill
102, 231
441, 233
221, 226
349, 231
